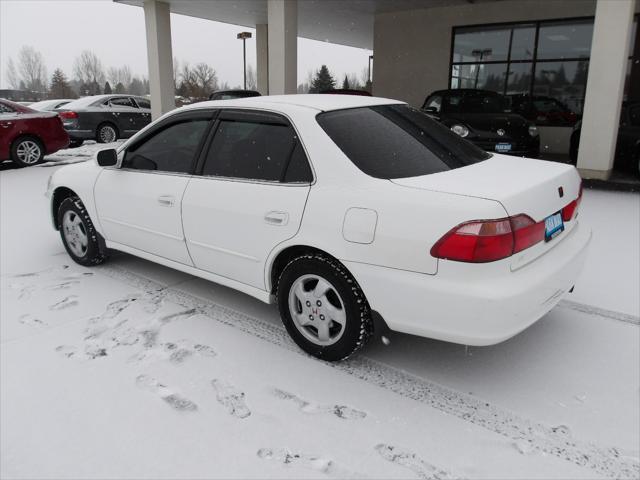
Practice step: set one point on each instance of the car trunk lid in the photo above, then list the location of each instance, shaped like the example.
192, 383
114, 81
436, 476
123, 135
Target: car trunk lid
534, 187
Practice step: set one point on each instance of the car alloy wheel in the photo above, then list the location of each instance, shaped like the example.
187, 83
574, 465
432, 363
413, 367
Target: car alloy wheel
75, 233
317, 310
28, 152
107, 134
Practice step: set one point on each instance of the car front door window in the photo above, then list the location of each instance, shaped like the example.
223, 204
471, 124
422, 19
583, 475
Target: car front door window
171, 149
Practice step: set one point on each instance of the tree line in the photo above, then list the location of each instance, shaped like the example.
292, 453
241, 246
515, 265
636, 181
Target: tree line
191, 82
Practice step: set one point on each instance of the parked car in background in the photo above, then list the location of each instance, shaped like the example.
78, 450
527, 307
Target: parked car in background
105, 118
49, 105
627, 156
229, 94
27, 135
543, 110
341, 211
347, 91
484, 118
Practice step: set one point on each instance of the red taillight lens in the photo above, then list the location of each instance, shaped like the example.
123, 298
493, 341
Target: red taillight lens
68, 115
571, 211
526, 232
482, 241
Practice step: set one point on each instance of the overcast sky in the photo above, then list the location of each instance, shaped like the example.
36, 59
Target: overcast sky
62, 29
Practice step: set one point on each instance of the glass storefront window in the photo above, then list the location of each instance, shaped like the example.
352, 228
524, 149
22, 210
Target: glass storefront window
565, 40
523, 42
564, 81
487, 76
519, 78
476, 45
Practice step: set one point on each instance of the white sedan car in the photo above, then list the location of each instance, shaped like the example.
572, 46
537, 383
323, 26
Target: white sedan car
351, 213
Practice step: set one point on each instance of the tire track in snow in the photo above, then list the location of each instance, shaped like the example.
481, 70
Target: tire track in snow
551, 440
599, 312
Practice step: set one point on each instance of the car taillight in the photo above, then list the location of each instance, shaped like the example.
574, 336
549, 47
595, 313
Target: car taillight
571, 211
482, 241
68, 115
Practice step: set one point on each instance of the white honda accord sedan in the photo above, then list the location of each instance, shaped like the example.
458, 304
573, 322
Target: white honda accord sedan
351, 213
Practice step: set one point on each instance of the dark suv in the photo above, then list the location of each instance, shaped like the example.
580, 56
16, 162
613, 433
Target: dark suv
484, 118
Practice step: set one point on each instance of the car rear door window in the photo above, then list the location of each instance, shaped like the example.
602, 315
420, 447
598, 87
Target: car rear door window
4, 109
143, 103
256, 146
122, 102
170, 149
396, 141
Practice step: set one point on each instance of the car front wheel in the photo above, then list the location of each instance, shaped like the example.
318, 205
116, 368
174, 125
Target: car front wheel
79, 237
27, 151
323, 308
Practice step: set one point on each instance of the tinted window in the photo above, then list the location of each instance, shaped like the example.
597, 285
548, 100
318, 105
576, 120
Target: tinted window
5, 109
122, 102
434, 103
565, 40
475, 102
396, 141
143, 103
256, 149
171, 149
634, 116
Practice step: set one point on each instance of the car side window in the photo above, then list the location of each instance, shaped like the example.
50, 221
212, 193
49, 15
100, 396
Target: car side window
256, 146
5, 109
143, 103
171, 149
122, 102
634, 116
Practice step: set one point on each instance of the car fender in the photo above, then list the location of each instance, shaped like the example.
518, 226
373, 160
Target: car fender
81, 179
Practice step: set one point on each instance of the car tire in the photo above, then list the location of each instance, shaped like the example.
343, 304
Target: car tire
329, 320
79, 237
75, 143
27, 151
106, 133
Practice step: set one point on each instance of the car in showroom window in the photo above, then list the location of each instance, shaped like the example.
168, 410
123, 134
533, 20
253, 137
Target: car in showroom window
340, 212
484, 118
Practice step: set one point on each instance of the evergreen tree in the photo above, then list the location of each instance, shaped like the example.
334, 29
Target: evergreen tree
120, 88
60, 87
136, 87
345, 83
94, 88
322, 81
107, 88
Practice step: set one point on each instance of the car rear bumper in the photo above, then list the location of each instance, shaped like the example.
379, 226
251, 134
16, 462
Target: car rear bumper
474, 309
81, 134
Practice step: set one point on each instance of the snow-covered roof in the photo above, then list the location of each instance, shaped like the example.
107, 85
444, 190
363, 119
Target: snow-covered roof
320, 102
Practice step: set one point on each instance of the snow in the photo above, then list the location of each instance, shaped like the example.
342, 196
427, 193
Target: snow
134, 370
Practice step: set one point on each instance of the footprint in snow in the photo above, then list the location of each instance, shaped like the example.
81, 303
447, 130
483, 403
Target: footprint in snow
413, 462
91, 351
28, 319
305, 460
176, 401
231, 398
341, 411
62, 286
40, 272
70, 301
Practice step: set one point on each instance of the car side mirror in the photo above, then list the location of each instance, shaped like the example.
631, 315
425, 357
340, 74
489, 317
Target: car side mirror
432, 110
107, 158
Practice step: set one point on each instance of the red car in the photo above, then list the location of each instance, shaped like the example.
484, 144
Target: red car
27, 135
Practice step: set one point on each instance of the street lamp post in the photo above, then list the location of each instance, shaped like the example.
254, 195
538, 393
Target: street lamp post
369, 75
481, 54
243, 36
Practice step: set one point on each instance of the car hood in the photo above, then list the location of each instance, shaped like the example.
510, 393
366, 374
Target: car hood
521, 185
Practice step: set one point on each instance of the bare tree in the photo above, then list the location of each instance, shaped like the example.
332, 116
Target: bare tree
31, 69
88, 68
176, 72
12, 75
120, 75
204, 79
252, 82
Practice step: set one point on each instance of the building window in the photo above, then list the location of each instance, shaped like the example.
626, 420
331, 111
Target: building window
534, 63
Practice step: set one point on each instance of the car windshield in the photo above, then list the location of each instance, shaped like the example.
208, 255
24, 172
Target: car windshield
397, 141
476, 102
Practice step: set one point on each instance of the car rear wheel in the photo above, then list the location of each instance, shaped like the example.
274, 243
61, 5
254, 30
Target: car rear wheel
106, 133
79, 236
27, 151
323, 308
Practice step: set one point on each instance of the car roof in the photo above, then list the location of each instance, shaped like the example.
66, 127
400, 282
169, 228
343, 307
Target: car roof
90, 100
319, 102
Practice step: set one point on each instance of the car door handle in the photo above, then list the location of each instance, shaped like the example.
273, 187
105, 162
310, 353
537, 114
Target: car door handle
276, 218
166, 200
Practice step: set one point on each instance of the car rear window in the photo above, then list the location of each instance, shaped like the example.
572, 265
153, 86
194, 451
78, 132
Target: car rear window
397, 141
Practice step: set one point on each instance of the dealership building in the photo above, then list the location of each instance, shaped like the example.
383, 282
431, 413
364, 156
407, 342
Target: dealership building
584, 54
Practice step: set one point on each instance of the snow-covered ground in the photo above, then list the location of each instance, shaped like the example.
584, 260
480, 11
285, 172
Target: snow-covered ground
133, 370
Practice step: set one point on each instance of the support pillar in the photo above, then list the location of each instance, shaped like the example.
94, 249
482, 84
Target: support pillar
605, 86
283, 46
262, 54
160, 57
